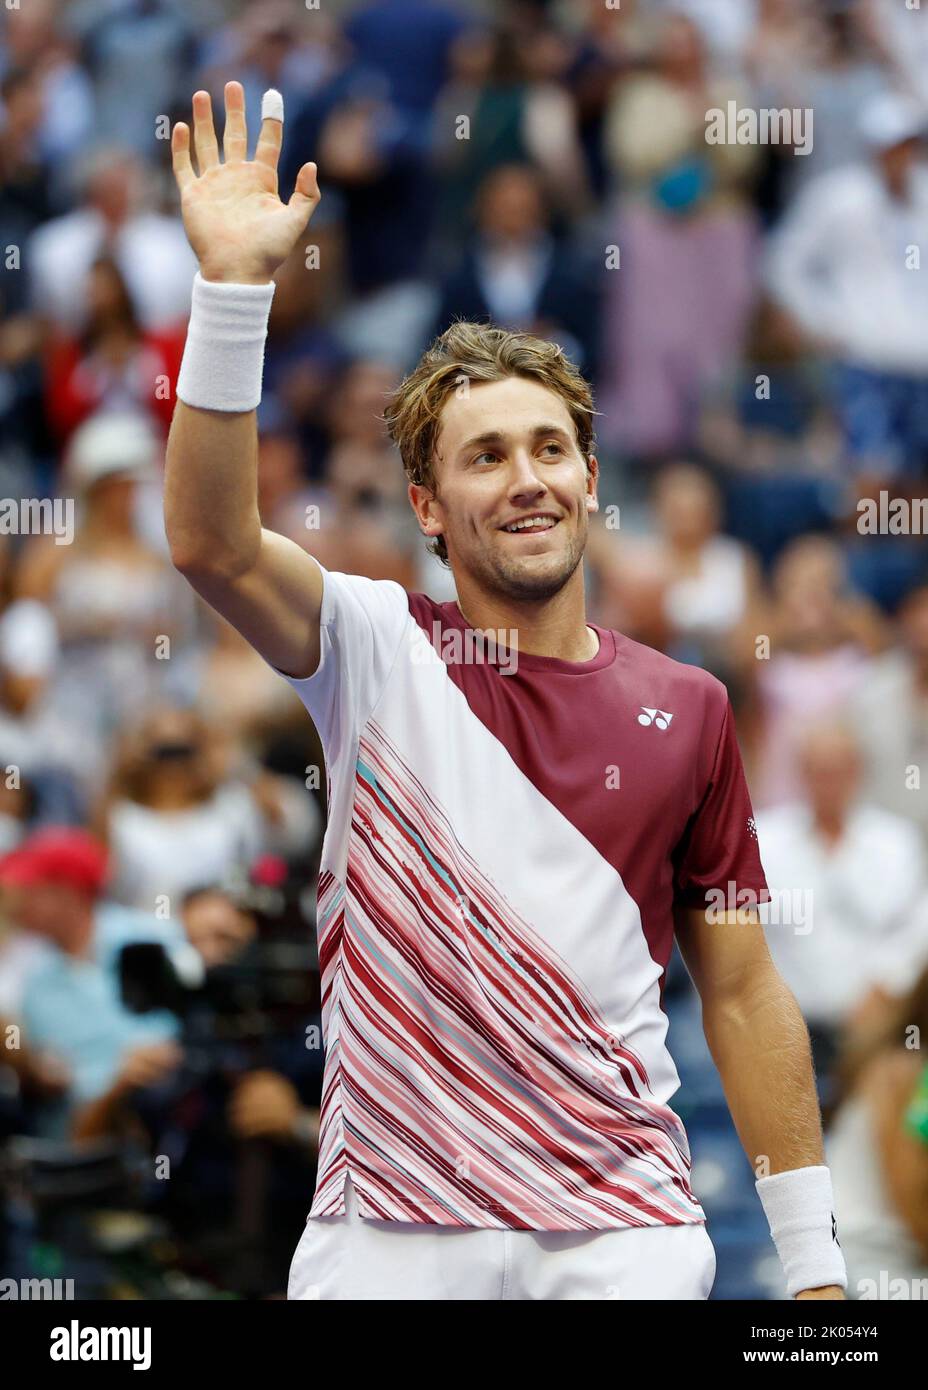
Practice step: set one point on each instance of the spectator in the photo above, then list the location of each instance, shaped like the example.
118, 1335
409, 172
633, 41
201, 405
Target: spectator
803, 59
770, 414
842, 265
150, 249
362, 523
235, 690
271, 45
891, 716
821, 636
410, 42
113, 363
32, 737
114, 600
899, 36
504, 84
70, 1004
710, 583
25, 204
25, 199
303, 358
143, 47
174, 817
36, 42
878, 1159
516, 275
378, 175
855, 879
216, 926
682, 221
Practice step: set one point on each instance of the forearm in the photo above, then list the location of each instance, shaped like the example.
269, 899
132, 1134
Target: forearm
760, 1045
99, 1117
211, 490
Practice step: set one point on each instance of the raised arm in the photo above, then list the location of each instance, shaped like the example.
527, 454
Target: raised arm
263, 583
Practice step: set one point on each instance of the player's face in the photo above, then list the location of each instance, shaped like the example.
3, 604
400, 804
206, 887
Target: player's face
507, 451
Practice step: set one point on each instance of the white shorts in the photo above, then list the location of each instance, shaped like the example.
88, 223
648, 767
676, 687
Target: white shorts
345, 1257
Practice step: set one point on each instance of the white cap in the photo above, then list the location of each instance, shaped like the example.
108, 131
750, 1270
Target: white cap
111, 444
889, 119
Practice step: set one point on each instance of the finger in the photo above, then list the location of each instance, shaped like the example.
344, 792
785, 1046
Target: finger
305, 195
235, 133
267, 150
203, 132
180, 156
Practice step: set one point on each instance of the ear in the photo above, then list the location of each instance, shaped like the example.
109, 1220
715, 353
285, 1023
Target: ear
423, 502
592, 481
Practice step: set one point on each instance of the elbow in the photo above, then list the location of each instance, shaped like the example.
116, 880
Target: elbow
200, 554
189, 560
198, 567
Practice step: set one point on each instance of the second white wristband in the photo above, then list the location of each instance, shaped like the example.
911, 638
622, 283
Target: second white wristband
799, 1206
223, 358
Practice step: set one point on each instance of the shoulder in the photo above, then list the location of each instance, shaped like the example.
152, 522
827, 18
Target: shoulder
422, 608
692, 684
371, 609
116, 926
874, 824
837, 192
887, 675
673, 694
59, 229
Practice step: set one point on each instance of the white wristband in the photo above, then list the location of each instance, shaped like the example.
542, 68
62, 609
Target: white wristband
799, 1207
224, 353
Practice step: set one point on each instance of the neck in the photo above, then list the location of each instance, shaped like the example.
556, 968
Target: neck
898, 188
830, 825
80, 940
539, 627
170, 795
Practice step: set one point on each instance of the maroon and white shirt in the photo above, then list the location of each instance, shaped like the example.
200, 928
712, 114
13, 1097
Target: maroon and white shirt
504, 853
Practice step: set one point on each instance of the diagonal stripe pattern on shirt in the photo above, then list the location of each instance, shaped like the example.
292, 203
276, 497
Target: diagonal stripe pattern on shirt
471, 1078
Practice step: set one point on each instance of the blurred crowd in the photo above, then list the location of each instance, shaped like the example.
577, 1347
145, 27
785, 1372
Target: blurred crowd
754, 320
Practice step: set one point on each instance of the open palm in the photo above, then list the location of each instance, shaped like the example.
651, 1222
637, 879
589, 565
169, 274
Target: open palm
233, 216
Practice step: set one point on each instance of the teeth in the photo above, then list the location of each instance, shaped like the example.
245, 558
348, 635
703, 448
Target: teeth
532, 524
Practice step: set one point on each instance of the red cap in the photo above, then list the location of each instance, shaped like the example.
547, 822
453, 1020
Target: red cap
57, 855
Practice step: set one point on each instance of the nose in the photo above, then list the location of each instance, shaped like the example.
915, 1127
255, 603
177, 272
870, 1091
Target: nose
524, 480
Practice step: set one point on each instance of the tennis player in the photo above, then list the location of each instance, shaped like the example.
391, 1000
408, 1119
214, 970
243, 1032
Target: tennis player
524, 808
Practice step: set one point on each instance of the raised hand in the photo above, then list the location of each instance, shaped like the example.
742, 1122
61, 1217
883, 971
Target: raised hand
233, 216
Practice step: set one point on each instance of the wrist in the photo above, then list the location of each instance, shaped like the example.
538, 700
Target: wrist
233, 275
799, 1207
223, 358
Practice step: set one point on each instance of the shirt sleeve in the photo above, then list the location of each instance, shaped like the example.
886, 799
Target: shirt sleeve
362, 625
718, 850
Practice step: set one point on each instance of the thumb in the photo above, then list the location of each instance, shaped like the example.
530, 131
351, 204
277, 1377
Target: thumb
305, 194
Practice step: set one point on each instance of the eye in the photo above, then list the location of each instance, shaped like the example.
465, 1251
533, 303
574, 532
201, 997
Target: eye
488, 455
553, 445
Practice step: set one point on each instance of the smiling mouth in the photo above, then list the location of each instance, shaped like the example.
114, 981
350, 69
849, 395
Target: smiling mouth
539, 529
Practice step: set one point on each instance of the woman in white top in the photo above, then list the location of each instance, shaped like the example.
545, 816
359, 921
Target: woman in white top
175, 818
879, 1163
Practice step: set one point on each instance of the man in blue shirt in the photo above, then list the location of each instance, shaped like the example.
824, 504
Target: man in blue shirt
71, 1006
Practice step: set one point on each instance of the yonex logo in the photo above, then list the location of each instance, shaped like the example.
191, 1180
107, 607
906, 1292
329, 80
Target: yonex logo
660, 717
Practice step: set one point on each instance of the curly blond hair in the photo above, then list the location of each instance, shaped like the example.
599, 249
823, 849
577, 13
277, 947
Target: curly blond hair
476, 352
